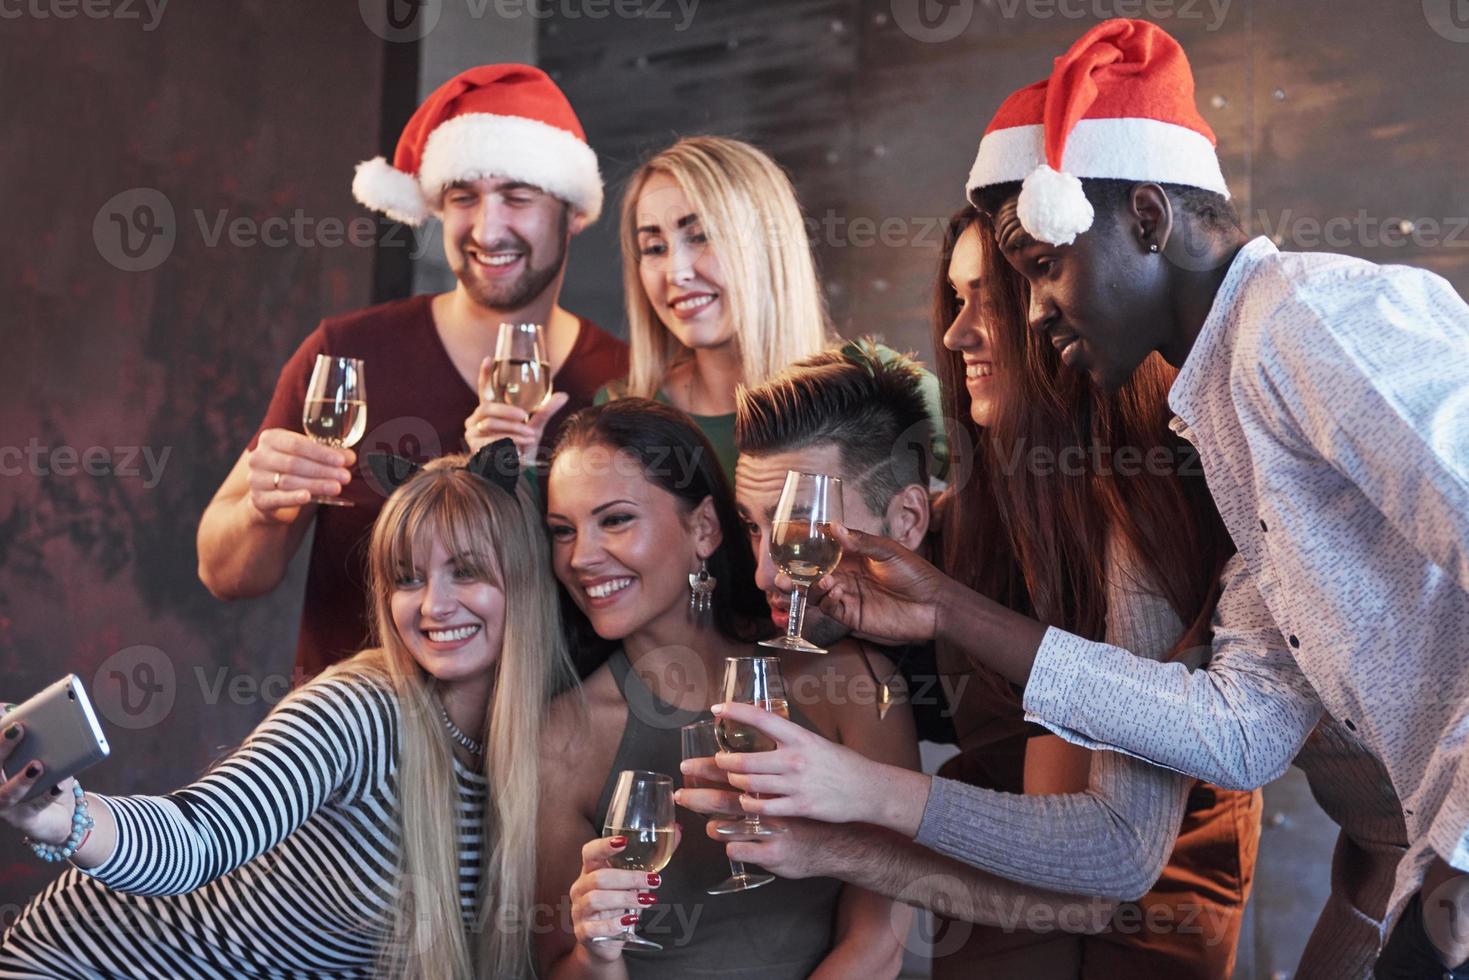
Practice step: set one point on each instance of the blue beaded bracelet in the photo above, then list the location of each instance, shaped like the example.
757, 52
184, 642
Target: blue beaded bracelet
81, 823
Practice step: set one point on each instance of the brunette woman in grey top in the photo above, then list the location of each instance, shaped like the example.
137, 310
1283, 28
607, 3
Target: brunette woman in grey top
637, 502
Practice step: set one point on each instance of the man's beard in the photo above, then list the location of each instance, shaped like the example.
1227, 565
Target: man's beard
531, 282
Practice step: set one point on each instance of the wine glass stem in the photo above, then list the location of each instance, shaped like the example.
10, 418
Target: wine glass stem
798, 613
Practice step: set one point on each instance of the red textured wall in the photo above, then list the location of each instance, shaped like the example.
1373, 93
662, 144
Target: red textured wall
133, 374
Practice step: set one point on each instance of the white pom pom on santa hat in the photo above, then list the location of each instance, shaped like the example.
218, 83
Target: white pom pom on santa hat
383, 187
1053, 206
1118, 105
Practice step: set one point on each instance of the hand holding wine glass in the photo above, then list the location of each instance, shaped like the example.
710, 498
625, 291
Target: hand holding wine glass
797, 773
515, 389
883, 591
755, 681
700, 742
335, 412
285, 469
640, 815
803, 546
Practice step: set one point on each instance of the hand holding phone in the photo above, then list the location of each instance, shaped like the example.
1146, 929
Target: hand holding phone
43, 744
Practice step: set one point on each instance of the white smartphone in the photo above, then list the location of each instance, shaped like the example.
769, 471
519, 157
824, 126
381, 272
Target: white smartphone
60, 731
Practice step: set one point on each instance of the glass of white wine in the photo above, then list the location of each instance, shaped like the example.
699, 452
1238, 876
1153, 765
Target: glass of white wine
521, 375
757, 681
335, 412
802, 546
699, 742
642, 811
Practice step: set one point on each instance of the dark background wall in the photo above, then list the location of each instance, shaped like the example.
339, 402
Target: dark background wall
148, 361
126, 395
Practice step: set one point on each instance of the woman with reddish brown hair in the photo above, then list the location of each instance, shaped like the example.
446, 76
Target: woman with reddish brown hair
1085, 511
1076, 509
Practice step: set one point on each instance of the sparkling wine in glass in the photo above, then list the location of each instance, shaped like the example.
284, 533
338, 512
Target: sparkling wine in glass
642, 811
335, 412
757, 681
802, 545
521, 375
699, 742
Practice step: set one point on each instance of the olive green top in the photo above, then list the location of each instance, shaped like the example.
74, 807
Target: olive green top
720, 429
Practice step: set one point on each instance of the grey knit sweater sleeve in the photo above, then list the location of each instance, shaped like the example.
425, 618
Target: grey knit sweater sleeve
1114, 838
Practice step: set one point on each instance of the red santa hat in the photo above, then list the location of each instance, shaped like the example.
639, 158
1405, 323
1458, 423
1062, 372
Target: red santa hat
1120, 105
491, 121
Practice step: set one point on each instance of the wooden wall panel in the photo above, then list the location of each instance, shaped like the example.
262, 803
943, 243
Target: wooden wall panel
776, 72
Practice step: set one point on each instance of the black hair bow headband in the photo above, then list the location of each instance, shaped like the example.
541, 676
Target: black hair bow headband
498, 464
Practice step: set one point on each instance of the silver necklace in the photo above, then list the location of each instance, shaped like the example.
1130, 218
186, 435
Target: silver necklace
474, 748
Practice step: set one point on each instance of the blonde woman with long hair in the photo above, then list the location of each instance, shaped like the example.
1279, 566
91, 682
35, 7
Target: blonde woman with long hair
381, 821
720, 284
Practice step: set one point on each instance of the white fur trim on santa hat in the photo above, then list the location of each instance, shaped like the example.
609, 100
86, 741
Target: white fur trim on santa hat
382, 187
1119, 149
480, 144
1053, 207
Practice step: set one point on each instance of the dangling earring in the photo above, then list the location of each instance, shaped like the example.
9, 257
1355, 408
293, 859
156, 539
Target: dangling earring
701, 589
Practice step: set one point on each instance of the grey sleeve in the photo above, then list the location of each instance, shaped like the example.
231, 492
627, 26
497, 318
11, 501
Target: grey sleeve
1114, 838
1237, 724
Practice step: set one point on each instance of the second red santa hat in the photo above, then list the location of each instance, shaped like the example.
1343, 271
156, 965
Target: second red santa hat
1120, 105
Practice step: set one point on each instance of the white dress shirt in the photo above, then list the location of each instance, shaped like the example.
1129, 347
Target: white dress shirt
1328, 398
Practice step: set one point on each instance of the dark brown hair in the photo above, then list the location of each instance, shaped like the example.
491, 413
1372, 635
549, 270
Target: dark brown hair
870, 407
654, 434
1036, 537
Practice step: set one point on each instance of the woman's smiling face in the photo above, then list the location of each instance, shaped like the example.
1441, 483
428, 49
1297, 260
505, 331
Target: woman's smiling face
620, 544
449, 610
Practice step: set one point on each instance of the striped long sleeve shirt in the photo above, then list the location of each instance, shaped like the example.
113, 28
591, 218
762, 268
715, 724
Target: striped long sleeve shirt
281, 861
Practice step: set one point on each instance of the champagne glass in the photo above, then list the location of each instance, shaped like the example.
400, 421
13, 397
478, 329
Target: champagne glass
642, 811
757, 681
699, 742
521, 375
335, 412
802, 546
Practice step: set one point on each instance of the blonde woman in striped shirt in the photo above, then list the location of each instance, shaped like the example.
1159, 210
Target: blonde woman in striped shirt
381, 821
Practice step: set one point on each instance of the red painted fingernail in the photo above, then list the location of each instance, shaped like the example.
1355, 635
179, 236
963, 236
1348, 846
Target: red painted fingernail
629, 920
33, 770
646, 899
655, 880
618, 842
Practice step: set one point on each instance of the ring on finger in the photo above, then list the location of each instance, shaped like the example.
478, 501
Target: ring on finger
276, 483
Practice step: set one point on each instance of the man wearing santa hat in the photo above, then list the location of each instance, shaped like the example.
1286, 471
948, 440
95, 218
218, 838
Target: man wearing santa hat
498, 155
1328, 398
